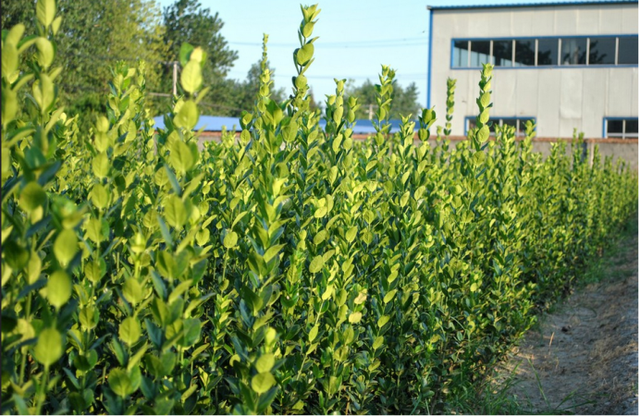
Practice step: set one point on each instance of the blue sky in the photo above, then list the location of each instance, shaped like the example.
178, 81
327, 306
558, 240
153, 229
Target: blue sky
355, 38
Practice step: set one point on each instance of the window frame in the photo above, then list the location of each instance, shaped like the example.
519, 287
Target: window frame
536, 40
624, 135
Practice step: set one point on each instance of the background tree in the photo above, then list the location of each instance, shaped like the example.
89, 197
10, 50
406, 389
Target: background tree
185, 21
92, 38
404, 100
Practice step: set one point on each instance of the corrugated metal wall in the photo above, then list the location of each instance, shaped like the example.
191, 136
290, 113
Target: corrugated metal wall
561, 99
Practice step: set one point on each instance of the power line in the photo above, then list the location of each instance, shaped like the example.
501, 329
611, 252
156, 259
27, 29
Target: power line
379, 43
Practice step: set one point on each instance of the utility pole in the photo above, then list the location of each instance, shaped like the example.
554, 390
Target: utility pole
175, 78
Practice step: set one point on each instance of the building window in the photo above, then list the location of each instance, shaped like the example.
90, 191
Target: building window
602, 50
503, 52
525, 53
517, 122
547, 51
460, 54
628, 50
573, 51
480, 53
621, 128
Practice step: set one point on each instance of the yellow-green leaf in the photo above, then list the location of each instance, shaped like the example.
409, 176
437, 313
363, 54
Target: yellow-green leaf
377, 343
265, 363
65, 246
389, 296
32, 196
261, 383
59, 288
313, 333
130, 331
316, 264
383, 320
191, 77
230, 240
49, 347
355, 317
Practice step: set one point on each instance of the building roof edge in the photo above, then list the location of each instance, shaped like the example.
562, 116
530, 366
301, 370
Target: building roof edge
557, 3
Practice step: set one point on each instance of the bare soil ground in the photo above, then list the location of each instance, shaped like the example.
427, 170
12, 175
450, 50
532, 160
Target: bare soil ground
582, 358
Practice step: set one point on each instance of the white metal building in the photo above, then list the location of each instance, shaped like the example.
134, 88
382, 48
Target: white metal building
566, 65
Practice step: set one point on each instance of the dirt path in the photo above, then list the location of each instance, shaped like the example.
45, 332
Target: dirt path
583, 357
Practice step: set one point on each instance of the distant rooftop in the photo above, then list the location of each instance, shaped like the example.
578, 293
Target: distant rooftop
509, 5
216, 123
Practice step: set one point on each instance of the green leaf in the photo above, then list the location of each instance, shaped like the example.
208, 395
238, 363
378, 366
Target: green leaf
130, 331
132, 291
59, 288
261, 383
484, 116
55, 25
320, 212
483, 134
96, 229
192, 328
188, 115
45, 52
230, 239
181, 157
313, 333
272, 252
49, 347
120, 382
485, 99
32, 196
191, 77
362, 296
175, 211
320, 237
101, 165
9, 104
355, 317
99, 196
304, 54
9, 59
265, 363
46, 12
389, 296
13, 37
316, 264
185, 51
328, 292
383, 320
377, 343
88, 318
47, 91
65, 246
351, 234
307, 29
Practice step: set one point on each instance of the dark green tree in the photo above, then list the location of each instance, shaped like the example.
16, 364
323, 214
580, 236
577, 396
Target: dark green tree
185, 21
404, 100
17, 11
93, 37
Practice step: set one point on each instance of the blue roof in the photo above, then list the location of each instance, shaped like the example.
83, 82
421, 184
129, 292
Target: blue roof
215, 123
209, 123
555, 3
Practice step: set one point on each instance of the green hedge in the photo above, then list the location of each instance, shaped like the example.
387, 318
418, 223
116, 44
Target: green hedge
292, 270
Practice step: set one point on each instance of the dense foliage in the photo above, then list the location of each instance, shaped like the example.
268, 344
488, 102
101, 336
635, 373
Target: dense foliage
92, 36
294, 270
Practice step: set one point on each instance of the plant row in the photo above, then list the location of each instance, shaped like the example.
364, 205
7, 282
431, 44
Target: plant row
289, 270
